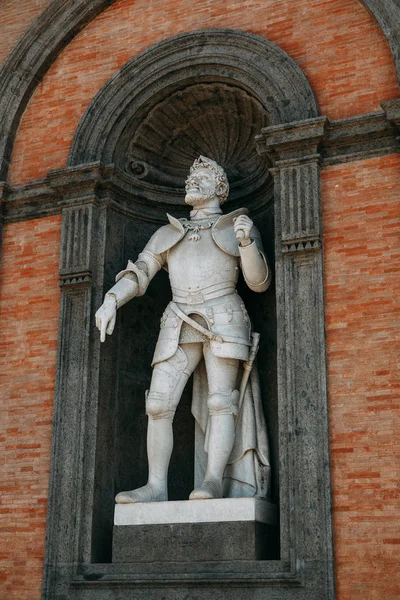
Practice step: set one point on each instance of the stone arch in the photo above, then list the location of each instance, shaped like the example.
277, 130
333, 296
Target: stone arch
204, 92
32, 57
253, 63
61, 21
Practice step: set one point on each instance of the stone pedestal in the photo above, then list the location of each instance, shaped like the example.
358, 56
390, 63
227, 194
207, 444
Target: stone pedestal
192, 530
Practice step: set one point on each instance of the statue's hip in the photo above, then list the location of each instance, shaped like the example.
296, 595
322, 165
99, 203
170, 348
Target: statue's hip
225, 316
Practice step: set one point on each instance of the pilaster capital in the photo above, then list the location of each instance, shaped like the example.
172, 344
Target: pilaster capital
292, 144
77, 246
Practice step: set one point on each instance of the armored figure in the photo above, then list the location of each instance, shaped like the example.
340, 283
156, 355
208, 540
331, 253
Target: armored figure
205, 330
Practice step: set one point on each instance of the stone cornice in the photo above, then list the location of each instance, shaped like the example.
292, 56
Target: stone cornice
62, 20
358, 138
83, 184
392, 111
292, 142
345, 140
329, 142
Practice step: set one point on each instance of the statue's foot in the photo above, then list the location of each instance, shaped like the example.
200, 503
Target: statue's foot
207, 491
147, 493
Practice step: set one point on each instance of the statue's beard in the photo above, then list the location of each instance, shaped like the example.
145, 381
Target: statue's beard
196, 199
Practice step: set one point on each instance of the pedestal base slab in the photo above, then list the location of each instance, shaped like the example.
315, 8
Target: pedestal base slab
195, 530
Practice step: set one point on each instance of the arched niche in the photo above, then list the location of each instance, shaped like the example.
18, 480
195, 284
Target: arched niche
247, 61
209, 92
244, 102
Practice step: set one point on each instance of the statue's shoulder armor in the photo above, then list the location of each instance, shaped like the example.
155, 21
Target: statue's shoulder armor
224, 235
166, 237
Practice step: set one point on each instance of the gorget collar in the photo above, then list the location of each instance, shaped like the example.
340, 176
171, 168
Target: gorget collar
203, 213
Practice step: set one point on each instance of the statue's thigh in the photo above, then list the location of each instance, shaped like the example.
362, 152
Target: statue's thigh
221, 372
170, 377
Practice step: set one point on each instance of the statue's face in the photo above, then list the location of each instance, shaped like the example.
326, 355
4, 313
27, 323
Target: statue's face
201, 187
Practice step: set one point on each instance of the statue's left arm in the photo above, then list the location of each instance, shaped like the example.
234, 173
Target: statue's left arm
255, 268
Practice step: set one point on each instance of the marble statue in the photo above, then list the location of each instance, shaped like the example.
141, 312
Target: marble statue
205, 330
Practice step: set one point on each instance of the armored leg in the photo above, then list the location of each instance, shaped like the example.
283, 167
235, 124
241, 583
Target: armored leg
223, 406
167, 384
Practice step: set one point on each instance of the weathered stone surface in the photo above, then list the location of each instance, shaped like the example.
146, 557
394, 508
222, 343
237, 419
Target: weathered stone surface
184, 542
196, 511
57, 25
112, 118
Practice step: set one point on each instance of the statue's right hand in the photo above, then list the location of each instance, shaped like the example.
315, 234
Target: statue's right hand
106, 316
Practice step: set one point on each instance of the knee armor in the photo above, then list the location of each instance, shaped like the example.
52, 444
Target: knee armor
158, 405
223, 403
163, 396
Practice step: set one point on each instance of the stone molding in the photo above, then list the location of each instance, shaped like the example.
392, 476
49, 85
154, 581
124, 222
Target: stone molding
361, 137
292, 143
32, 56
62, 20
392, 111
219, 55
387, 14
355, 138
72, 186
346, 140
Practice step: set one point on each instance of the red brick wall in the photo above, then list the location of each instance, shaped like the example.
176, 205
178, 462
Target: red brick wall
15, 18
337, 43
347, 60
361, 210
29, 305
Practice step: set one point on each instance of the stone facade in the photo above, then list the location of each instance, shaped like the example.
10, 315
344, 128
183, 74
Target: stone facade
50, 77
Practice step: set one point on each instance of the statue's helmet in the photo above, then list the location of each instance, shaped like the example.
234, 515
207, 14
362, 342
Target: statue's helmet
221, 180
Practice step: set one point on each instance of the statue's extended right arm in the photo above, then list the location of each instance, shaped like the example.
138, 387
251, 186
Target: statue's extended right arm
131, 282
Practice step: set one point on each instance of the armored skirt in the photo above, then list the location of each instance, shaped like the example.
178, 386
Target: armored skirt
225, 316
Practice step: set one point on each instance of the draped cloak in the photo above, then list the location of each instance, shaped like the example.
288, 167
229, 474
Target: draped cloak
248, 471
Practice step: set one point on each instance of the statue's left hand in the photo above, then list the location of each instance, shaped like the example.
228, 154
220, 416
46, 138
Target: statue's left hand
242, 227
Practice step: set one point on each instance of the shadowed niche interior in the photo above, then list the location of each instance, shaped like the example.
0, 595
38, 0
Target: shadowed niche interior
218, 120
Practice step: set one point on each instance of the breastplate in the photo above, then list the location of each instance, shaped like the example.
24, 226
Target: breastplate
200, 266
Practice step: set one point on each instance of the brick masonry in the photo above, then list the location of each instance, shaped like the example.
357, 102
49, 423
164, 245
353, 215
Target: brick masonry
361, 215
346, 59
15, 18
29, 306
342, 51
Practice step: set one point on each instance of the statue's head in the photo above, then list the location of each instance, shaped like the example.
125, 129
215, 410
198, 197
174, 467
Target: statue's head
206, 181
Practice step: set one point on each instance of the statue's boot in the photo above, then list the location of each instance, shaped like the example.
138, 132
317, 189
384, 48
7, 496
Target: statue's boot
220, 444
147, 493
207, 491
159, 448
